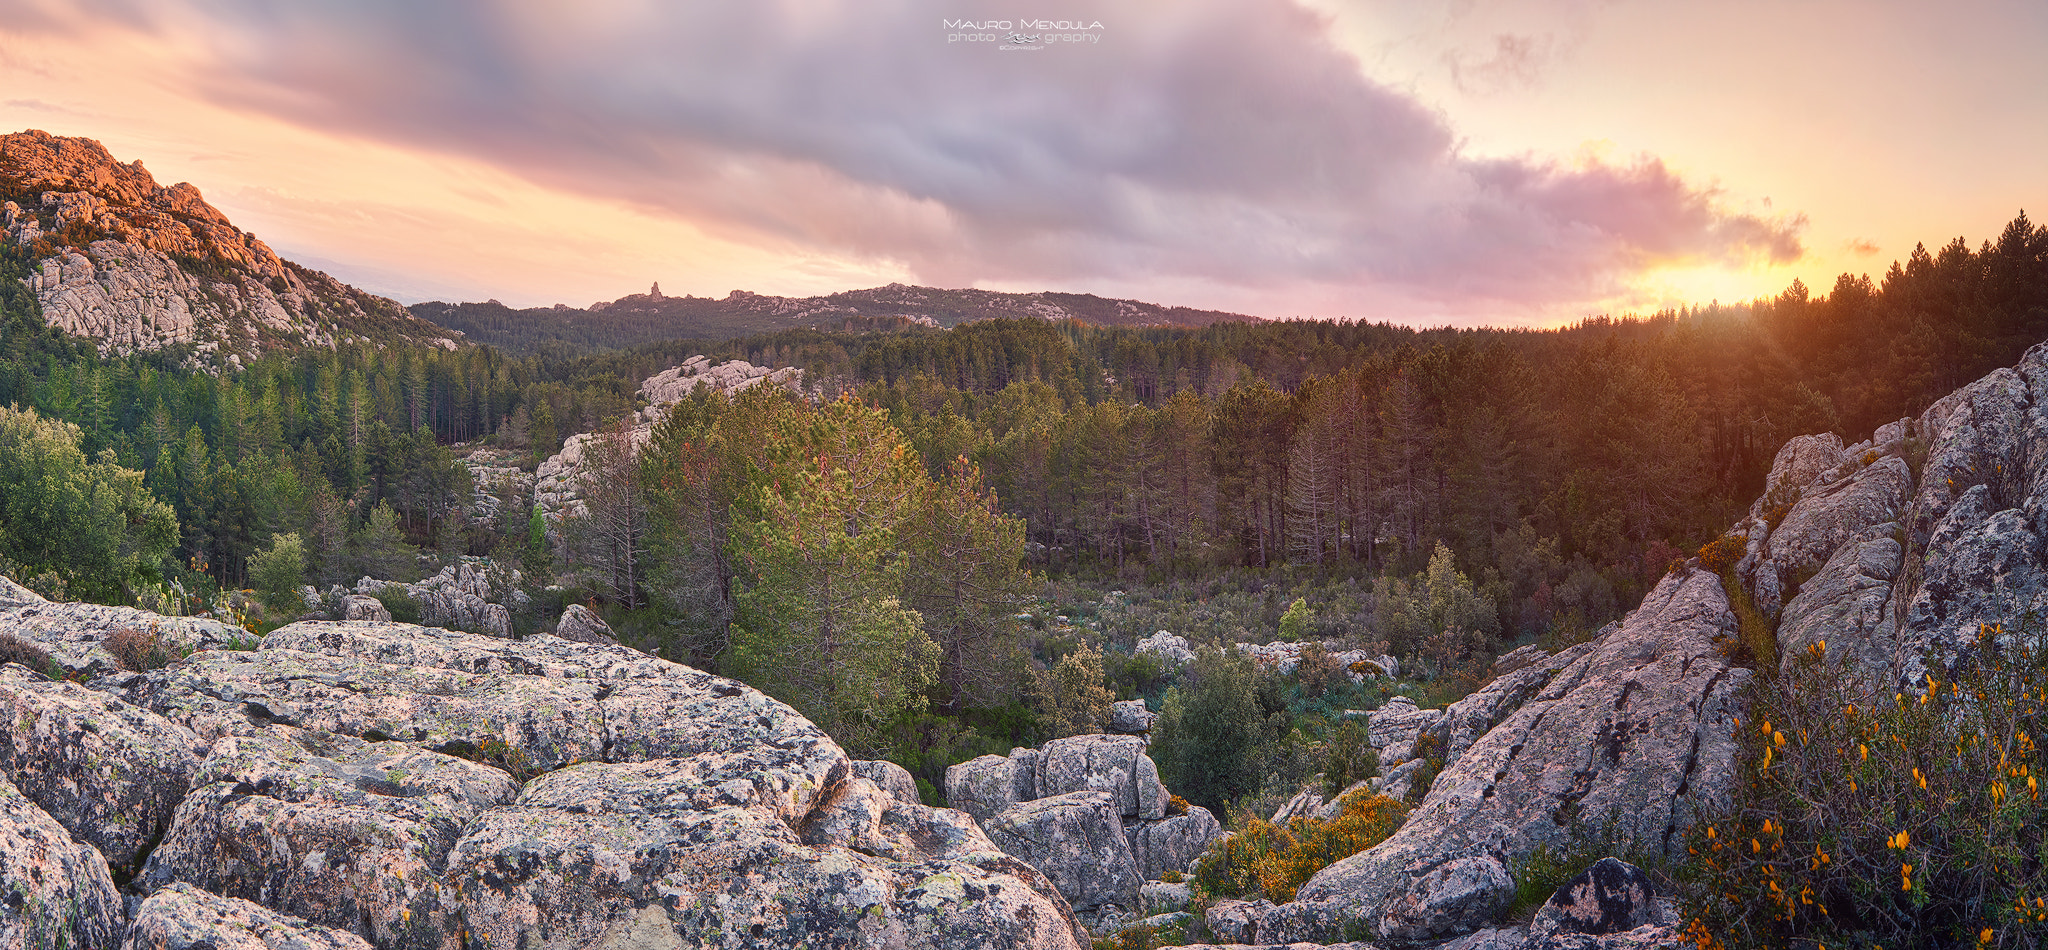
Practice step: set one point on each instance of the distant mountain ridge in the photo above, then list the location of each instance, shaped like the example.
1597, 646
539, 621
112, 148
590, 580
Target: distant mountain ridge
113, 256
645, 318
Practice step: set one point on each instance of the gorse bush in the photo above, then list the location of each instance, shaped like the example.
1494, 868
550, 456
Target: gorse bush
1906, 818
1264, 860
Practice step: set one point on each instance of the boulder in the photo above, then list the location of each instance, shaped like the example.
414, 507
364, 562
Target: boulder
110, 772
1078, 841
1611, 897
582, 625
1171, 649
988, 784
1235, 921
1159, 897
183, 917
1114, 764
59, 893
1171, 844
1634, 733
364, 607
891, 778
1130, 717
711, 851
350, 834
1397, 727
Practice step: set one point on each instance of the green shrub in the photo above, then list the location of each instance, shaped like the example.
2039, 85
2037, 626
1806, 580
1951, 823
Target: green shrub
1349, 758
1294, 623
1264, 860
277, 571
401, 605
1912, 819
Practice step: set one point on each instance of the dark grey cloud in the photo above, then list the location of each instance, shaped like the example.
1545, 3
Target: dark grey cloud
1222, 140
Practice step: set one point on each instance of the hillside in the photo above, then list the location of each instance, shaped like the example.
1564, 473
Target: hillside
113, 256
645, 318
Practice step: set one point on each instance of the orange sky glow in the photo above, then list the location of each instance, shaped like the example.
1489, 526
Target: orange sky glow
1468, 163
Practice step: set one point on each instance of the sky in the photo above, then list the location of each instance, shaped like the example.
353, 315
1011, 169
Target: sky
1471, 162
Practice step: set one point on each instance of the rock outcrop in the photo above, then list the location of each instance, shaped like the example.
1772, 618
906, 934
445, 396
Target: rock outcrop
557, 485
462, 596
139, 266
1059, 807
75, 635
368, 783
1633, 731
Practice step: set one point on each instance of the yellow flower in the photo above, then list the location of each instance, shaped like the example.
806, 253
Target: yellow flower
1864, 749
1917, 777
1779, 738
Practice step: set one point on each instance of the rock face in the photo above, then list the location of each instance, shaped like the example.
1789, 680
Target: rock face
342, 832
59, 892
368, 783
1171, 844
138, 266
1896, 551
109, 772
1633, 730
986, 785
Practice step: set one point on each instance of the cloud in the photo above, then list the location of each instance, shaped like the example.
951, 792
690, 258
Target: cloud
1223, 141
1514, 62
1861, 247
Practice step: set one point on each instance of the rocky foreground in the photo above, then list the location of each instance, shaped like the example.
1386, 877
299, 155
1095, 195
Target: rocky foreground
362, 783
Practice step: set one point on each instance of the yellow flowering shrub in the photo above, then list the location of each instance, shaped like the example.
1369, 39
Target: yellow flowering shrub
1901, 817
1270, 861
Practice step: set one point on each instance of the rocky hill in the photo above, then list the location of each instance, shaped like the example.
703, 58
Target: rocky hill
645, 318
117, 258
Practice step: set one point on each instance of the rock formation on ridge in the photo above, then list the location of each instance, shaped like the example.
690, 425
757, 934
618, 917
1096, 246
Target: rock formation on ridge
139, 266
